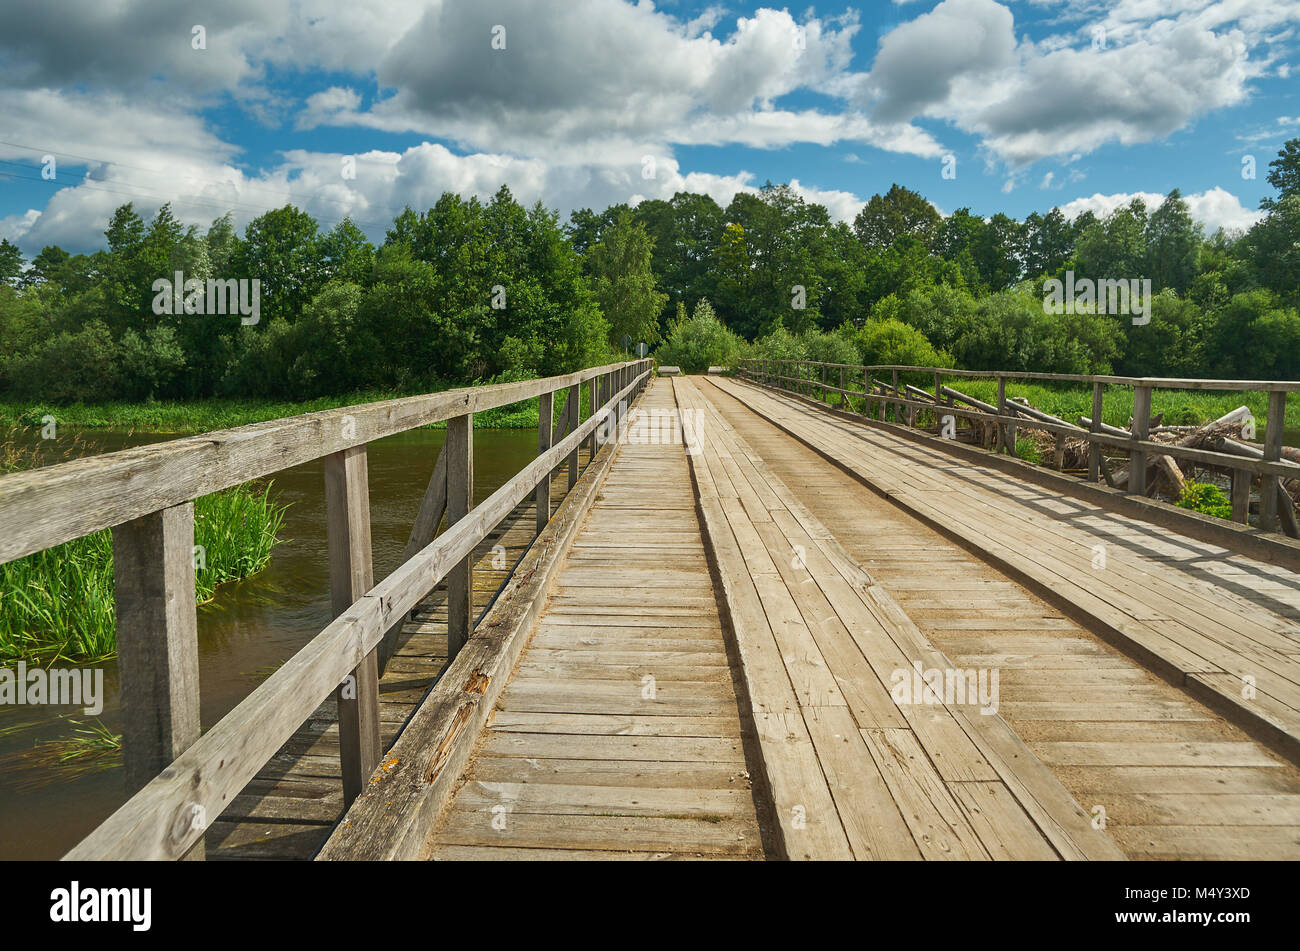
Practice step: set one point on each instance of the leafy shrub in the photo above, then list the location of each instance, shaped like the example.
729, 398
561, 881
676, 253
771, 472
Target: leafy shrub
699, 342
1206, 497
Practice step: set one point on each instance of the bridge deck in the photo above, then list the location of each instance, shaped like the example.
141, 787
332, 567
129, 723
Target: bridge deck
619, 735
778, 664
1201, 615
1174, 777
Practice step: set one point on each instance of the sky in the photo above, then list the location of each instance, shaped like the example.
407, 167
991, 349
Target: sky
359, 108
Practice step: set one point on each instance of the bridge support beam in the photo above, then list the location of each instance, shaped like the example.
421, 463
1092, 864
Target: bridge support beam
347, 523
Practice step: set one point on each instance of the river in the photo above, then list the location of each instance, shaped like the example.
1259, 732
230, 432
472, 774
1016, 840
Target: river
249, 629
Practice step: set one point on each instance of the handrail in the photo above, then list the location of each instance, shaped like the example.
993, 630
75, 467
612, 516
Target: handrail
1156, 382
44, 507
1276, 509
166, 818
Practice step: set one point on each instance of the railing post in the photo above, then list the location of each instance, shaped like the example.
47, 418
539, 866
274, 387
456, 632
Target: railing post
347, 527
867, 404
605, 383
938, 401
459, 449
545, 411
593, 400
1137, 464
157, 642
844, 396
1269, 485
1241, 479
1004, 428
574, 407
898, 418
1094, 447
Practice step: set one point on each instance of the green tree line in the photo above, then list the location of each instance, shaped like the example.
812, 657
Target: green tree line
470, 290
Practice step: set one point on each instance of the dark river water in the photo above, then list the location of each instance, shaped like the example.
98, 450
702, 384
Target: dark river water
250, 628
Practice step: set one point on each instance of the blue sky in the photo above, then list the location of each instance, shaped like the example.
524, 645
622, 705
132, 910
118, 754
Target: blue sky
244, 105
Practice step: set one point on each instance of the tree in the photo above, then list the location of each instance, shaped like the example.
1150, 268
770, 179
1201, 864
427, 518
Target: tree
899, 212
624, 282
1173, 241
11, 263
1284, 174
1049, 240
1116, 248
282, 249
697, 343
1271, 249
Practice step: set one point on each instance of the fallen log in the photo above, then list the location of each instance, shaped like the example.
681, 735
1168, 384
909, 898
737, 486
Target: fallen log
1194, 439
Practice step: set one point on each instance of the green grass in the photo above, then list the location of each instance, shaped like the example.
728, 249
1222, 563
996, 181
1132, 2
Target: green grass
89, 749
57, 604
1207, 498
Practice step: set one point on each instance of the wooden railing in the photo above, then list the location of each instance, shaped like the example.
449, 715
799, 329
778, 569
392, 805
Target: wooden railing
883, 394
180, 782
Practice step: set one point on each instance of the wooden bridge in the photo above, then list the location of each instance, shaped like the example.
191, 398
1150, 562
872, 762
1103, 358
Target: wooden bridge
740, 623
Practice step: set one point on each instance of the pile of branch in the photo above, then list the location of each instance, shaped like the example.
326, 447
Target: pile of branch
1164, 475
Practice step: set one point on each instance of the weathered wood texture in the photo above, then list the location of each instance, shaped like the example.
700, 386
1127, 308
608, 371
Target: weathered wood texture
168, 816
1210, 619
1166, 775
290, 808
157, 636
857, 770
347, 518
619, 732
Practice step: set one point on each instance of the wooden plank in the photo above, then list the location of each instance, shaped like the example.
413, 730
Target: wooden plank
876, 829
938, 825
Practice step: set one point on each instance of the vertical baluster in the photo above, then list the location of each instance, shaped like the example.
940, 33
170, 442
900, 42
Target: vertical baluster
347, 524
157, 642
459, 449
593, 404
1137, 467
1270, 488
1241, 479
1094, 447
545, 433
574, 404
